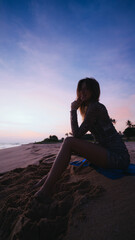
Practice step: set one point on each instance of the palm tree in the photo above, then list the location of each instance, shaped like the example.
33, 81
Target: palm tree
113, 120
129, 124
70, 133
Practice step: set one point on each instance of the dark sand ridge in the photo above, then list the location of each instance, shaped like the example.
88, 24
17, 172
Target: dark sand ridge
84, 205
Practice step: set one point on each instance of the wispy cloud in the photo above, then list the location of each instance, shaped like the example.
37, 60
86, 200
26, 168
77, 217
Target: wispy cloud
43, 60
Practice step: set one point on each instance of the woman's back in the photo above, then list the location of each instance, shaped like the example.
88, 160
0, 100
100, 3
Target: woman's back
98, 122
104, 131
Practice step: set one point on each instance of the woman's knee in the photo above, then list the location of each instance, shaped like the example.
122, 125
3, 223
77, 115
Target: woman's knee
69, 141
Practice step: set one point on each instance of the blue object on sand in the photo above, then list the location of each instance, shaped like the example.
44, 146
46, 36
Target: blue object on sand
110, 173
78, 163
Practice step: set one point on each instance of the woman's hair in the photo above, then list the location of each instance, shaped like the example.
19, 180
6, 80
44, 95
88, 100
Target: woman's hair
93, 86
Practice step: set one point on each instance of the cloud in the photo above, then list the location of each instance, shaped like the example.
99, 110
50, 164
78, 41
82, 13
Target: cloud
39, 73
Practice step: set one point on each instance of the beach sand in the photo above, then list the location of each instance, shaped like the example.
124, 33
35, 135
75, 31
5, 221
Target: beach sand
84, 204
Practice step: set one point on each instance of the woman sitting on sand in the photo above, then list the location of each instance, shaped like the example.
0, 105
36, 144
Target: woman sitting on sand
110, 152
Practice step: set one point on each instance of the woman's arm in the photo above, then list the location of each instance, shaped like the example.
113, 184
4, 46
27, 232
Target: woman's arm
89, 119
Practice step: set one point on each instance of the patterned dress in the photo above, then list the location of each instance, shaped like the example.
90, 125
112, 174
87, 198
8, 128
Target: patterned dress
98, 122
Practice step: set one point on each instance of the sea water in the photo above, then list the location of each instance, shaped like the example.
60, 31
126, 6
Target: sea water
9, 145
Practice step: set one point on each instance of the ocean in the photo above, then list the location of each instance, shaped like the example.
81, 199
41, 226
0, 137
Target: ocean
9, 145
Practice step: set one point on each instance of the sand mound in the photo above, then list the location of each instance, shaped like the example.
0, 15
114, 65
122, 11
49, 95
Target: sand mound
21, 219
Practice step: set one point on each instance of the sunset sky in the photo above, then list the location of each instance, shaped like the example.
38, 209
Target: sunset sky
47, 46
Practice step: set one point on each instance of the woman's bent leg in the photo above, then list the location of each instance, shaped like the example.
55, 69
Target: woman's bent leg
93, 152
59, 165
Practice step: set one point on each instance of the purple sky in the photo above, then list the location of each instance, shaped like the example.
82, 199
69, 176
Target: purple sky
46, 47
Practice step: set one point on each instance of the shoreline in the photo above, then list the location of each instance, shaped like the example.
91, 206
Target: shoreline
9, 145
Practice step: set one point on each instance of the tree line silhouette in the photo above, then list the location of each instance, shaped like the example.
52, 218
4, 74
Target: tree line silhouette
128, 133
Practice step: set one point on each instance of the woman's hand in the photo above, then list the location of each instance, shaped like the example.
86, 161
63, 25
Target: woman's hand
76, 104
